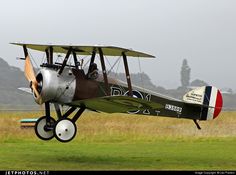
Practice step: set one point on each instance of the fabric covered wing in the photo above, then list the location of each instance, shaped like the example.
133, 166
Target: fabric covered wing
87, 50
116, 104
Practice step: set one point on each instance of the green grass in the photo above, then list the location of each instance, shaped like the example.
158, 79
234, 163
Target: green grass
197, 154
121, 142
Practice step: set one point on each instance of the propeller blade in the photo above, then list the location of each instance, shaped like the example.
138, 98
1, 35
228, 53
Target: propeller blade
34, 87
30, 76
37, 95
29, 71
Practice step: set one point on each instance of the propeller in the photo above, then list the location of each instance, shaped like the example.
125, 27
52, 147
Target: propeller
30, 76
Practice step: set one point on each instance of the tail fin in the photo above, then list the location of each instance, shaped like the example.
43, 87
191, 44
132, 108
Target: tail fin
208, 96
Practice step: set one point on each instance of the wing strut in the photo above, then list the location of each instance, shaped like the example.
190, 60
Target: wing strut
104, 72
65, 61
49, 55
127, 74
25, 51
75, 60
92, 59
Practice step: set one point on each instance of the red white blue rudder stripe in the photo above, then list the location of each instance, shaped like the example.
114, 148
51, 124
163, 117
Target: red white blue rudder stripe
215, 102
209, 97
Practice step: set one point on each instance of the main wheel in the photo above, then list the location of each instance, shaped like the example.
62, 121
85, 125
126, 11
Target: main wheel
65, 130
40, 128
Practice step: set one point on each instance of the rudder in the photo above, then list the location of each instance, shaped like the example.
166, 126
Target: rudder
208, 96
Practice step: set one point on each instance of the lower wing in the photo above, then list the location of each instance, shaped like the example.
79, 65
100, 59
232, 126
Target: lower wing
117, 104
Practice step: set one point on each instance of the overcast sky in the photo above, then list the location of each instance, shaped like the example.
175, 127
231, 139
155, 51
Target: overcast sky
202, 31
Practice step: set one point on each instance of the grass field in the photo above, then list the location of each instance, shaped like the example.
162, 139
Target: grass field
122, 142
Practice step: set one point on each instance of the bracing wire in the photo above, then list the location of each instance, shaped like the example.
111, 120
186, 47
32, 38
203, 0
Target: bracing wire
116, 72
141, 74
117, 68
107, 60
86, 63
32, 58
43, 58
118, 59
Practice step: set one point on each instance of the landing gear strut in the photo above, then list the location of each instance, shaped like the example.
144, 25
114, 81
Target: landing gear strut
64, 129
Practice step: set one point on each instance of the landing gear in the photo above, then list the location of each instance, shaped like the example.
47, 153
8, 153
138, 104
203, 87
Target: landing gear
42, 129
65, 130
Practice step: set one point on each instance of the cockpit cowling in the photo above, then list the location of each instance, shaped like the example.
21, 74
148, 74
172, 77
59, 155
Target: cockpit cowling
54, 87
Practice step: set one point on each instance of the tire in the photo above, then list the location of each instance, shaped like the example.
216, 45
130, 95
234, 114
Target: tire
65, 130
40, 128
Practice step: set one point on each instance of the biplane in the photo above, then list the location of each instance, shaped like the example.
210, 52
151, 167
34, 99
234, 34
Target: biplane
60, 83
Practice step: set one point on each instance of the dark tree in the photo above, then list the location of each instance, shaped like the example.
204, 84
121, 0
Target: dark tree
185, 74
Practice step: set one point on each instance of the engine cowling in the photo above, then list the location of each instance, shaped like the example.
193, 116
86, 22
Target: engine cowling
54, 87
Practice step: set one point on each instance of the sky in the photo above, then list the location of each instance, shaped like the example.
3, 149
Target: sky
201, 31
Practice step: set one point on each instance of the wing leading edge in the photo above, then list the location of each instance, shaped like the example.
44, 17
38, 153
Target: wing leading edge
87, 50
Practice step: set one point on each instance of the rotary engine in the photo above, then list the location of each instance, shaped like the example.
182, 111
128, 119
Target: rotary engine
54, 87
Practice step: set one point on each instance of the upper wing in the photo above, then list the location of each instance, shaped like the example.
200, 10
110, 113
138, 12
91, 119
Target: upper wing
117, 104
87, 50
